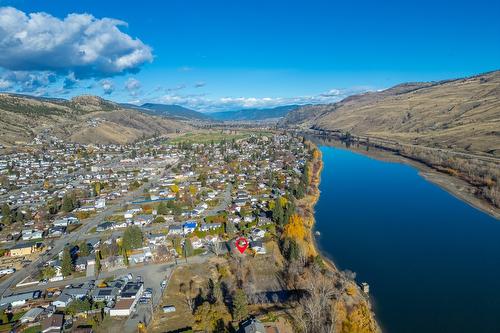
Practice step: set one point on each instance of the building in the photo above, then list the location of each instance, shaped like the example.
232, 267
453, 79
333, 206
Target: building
53, 324
21, 249
20, 299
252, 326
31, 316
124, 307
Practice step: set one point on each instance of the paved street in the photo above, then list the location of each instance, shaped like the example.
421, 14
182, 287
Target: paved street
80, 233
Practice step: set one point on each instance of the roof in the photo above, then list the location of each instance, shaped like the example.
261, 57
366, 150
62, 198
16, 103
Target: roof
56, 320
124, 304
19, 297
32, 314
21, 246
252, 326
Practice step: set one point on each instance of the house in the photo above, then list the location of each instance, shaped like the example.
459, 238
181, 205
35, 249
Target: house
142, 220
124, 307
20, 299
258, 247
210, 226
82, 262
157, 239
21, 249
252, 326
31, 316
196, 242
258, 234
62, 301
175, 230
142, 255
104, 226
100, 203
53, 324
189, 227
105, 294
56, 231
132, 290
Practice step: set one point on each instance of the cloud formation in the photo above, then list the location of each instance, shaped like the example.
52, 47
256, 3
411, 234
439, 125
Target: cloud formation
80, 44
203, 103
107, 86
132, 85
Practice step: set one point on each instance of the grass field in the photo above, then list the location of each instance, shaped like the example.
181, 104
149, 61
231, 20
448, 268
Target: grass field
212, 135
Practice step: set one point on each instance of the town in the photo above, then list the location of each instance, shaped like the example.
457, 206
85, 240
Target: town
110, 237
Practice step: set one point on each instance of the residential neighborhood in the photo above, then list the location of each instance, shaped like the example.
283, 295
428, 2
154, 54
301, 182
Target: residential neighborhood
98, 231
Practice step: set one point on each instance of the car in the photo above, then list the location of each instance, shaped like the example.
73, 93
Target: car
149, 290
168, 308
163, 284
143, 300
43, 282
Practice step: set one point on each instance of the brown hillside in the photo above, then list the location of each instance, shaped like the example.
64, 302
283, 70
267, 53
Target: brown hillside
462, 114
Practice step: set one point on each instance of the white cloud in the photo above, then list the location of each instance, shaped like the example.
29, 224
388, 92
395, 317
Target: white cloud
5, 84
107, 86
203, 103
132, 85
79, 43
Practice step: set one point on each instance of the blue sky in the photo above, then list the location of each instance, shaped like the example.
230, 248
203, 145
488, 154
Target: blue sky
223, 55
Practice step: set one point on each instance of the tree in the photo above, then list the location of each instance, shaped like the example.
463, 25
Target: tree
78, 306
188, 248
132, 238
67, 204
6, 213
278, 212
97, 262
125, 257
162, 209
67, 262
48, 272
240, 305
84, 249
295, 228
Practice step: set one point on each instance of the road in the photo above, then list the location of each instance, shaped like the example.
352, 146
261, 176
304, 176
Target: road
80, 233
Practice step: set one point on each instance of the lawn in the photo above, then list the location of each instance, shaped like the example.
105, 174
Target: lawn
209, 136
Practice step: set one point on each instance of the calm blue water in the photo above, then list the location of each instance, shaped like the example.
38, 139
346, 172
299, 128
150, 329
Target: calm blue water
432, 261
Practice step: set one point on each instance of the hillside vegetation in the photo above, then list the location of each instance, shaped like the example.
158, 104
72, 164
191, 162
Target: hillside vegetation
462, 115
84, 119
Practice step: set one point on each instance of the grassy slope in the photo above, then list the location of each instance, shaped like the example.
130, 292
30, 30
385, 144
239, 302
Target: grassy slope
460, 114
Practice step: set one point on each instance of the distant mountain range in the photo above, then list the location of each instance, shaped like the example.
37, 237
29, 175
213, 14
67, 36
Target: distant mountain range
172, 111
254, 114
182, 113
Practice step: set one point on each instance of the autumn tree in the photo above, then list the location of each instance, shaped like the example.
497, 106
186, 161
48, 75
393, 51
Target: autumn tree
295, 228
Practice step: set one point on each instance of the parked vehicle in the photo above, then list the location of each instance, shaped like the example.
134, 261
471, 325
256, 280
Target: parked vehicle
168, 308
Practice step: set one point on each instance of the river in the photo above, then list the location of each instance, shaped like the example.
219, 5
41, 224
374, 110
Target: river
432, 261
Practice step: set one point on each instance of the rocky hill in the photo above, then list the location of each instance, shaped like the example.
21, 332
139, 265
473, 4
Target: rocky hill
85, 119
461, 114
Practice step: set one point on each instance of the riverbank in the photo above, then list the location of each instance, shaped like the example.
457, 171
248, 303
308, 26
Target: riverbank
455, 186
353, 308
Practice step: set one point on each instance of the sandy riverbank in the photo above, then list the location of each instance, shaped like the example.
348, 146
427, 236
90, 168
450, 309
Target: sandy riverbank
453, 185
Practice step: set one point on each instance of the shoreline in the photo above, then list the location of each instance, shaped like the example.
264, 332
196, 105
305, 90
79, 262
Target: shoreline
454, 186
330, 265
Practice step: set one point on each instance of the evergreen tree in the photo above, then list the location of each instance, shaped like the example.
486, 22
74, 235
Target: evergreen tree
97, 262
240, 305
5, 213
67, 204
125, 257
278, 214
188, 248
132, 238
67, 262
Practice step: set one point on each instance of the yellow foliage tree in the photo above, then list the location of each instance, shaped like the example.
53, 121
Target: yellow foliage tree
174, 188
295, 228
